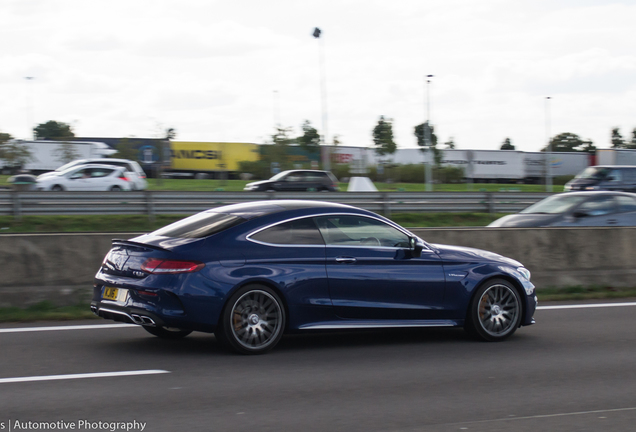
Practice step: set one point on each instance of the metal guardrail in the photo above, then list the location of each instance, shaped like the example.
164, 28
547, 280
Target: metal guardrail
174, 202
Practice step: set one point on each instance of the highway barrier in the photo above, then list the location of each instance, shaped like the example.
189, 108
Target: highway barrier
61, 267
153, 203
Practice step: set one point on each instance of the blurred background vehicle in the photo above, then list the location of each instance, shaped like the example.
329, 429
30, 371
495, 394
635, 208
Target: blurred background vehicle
297, 180
135, 174
604, 177
600, 208
88, 177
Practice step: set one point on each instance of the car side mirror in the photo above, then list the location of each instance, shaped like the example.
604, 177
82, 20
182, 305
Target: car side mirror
415, 247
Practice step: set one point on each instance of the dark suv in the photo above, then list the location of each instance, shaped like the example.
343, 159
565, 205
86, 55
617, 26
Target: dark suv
297, 180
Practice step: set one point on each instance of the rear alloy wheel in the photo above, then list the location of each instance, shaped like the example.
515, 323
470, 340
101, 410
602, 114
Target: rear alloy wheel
115, 189
57, 188
495, 311
167, 333
253, 320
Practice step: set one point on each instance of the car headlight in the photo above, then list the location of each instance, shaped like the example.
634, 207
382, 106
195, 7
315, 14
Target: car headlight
525, 272
591, 188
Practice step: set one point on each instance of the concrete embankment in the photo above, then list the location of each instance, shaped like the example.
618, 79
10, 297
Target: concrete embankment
60, 267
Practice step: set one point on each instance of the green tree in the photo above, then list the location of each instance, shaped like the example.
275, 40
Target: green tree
310, 139
450, 144
277, 151
507, 145
570, 142
632, 143
66, 152
383, 137
13, 152
53, 130
126, 149
617, 138
425, 135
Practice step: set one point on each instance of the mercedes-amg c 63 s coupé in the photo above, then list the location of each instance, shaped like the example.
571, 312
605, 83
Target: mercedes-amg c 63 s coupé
251, 272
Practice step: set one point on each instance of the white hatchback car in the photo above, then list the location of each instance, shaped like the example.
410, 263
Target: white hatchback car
134, 172
90, 177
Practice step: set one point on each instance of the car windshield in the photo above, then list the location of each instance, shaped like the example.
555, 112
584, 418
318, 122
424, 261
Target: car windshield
200, 225
279, 176
555, 204
594, 173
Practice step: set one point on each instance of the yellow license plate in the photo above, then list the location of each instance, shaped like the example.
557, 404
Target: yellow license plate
115, 294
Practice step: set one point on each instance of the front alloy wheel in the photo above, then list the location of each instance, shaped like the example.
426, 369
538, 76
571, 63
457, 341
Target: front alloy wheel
495, 312
253, 320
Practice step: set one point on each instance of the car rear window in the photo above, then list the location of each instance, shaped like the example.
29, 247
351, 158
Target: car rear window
200, 225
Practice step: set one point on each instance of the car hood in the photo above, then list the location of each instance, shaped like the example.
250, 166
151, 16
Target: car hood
50, 174
466, 254
522, 220
257, 183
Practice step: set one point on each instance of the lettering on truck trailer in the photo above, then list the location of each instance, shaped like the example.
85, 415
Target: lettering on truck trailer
196, 154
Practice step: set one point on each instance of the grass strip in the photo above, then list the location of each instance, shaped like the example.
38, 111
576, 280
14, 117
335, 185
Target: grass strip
210, 185
584, 293
44, 311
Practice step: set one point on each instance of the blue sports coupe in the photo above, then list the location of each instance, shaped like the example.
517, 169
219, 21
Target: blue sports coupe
250, 272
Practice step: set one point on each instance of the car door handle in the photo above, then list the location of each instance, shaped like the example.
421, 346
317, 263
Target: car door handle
345, 259
612, 221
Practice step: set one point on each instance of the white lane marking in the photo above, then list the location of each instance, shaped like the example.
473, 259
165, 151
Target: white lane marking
82, 376
55, 328
111, 326
584, 306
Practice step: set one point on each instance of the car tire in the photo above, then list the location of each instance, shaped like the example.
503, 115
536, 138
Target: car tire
495, 311
252, 321
57, 188
115, 189
164, 333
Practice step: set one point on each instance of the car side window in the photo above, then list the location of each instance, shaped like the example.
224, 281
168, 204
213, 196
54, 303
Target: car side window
296, 232
598, 207
294, 177
615, 176
100, 172
83, 173
348, 230
626, 204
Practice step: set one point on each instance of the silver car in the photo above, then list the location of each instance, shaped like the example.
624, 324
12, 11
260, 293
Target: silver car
572, 209
134, 172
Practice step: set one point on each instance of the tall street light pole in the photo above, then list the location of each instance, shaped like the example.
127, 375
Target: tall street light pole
427, 138
548, 150
326, 153
29, 108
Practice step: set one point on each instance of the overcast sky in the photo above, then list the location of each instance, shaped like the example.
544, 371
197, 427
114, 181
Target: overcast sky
229, 70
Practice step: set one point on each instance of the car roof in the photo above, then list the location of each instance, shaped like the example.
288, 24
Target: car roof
305, 170
254, 209
95, 165
599, 192
614, 166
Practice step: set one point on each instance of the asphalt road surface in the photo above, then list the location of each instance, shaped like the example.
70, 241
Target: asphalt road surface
575, 370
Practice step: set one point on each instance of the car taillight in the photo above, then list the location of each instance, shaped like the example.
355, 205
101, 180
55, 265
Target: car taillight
123, 177
142, 176
160, 266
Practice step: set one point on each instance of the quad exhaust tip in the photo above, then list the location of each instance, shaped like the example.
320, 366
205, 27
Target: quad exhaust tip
143, 320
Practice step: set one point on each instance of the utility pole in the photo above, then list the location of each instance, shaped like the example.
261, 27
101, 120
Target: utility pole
428, 174
548, 150
326, 159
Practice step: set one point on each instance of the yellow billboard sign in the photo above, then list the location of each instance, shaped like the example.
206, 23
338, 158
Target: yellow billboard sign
211, 156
